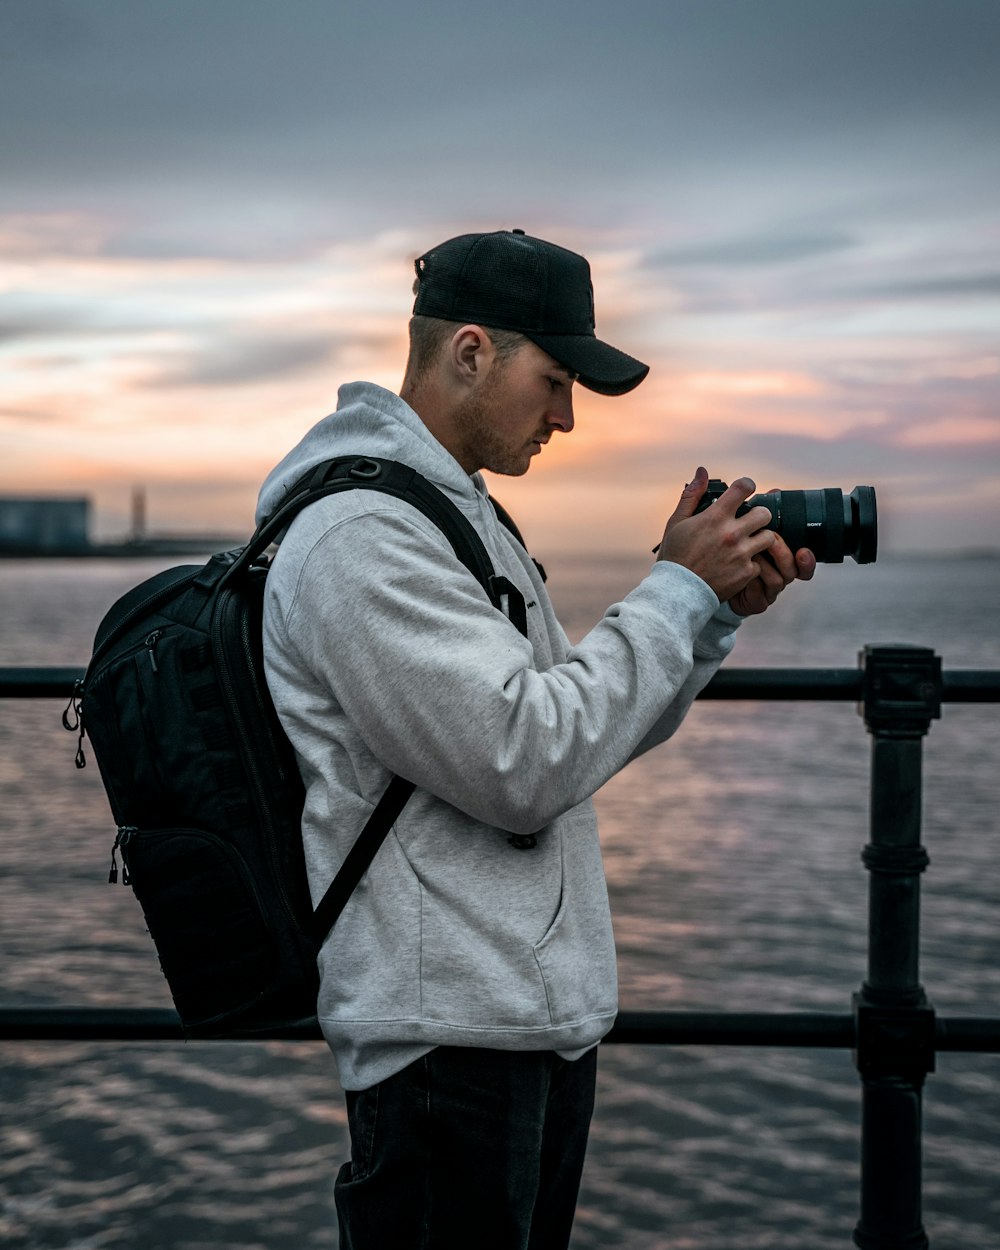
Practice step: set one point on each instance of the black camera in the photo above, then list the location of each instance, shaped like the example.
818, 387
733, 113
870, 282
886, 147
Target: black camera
831, 524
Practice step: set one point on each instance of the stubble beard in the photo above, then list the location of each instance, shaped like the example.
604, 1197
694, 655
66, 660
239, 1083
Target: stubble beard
480, 418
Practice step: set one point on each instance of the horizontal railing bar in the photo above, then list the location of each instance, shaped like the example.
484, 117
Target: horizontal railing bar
120, 1024
733, 1028
971, 686
959, 685
785, 683
793, 1030
975, 1035
38, 683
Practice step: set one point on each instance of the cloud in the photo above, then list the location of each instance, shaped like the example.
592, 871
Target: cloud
44, 318
242, 359
345, 104
21, 418
44, 235
958, 286
955, 432
772, 249
888, 410
760, 278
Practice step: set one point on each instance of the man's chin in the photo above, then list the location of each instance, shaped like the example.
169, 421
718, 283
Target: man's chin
509, 468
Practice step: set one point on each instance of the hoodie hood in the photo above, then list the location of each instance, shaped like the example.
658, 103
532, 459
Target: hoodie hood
370, 421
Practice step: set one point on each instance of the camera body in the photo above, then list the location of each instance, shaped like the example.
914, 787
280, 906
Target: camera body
831, 524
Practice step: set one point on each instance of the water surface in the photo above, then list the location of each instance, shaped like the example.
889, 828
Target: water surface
733, 864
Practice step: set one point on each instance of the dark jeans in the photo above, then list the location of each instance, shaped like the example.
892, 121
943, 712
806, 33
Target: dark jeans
468, 1149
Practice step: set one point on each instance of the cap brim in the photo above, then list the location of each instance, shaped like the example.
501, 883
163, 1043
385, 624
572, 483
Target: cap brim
598, 366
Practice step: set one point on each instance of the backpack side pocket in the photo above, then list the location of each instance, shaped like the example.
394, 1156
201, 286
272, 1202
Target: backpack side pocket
200, 904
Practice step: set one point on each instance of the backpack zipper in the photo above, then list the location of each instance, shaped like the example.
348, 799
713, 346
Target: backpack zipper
125, 833
72, 720
149, 642
165, 592
80, 686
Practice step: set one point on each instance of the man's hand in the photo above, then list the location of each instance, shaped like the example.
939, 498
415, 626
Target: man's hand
742, 561
778, 567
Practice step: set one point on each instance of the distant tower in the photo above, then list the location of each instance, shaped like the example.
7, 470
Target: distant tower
138, 534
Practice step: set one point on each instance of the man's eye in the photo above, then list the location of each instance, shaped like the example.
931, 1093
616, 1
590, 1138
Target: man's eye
555, 383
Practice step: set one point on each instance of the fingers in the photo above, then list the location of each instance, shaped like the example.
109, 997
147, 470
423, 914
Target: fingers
778, 567
753, 521
731, 545
688, 502
739, 492
805, 563
767, 578
799, 566
784, 560
735, 495
691, 495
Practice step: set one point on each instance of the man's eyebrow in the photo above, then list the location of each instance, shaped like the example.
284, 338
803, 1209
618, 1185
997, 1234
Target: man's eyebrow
568, 372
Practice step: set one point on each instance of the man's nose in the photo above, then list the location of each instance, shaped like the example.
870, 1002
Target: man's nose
562, 418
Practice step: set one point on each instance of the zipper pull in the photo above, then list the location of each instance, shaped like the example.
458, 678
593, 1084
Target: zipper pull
124, 834
150, 642
72, 719
73, 709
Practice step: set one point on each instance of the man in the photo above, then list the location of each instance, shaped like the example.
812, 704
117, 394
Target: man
468, 981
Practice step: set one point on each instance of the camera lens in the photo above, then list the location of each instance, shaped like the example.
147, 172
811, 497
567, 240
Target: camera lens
831, 524
864, 522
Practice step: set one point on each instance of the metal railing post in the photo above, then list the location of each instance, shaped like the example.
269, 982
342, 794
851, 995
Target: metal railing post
895, 1024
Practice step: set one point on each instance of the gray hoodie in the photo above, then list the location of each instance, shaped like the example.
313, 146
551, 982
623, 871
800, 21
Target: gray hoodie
384, 655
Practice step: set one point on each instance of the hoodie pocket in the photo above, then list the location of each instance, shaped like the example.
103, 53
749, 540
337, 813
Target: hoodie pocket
576, 955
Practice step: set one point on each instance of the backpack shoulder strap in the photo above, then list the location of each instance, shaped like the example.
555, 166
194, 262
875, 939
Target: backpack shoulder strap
508, 522
360, 855
391, 478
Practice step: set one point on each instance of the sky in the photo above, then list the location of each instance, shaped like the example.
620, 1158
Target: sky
209, 211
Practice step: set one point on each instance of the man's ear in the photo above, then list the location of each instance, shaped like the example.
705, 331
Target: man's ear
471, 354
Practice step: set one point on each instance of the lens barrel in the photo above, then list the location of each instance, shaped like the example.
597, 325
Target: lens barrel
831, 524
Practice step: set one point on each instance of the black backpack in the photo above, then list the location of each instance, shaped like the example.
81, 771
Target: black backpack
203, 783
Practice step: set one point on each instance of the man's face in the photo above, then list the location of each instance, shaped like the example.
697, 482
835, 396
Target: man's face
514, 411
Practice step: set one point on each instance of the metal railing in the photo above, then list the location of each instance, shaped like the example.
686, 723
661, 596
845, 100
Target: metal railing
892, 1028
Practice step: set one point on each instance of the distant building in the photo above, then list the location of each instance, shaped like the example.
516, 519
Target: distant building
44, 524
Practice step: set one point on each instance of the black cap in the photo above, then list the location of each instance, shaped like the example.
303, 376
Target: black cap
509, 281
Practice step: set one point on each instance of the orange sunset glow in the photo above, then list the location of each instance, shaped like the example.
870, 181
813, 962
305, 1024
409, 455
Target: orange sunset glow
813, 316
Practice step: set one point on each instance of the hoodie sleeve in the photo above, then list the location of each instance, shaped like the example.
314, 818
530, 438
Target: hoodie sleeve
711, 647
443, 690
